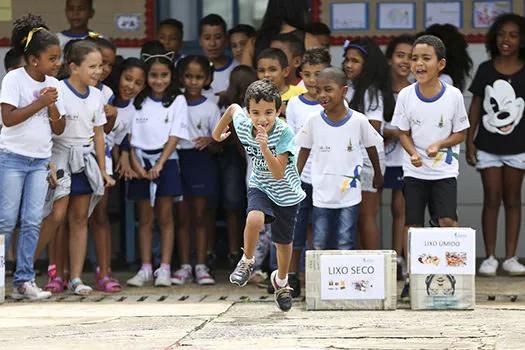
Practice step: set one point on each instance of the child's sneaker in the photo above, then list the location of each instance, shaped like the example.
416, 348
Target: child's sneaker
182, 276
203, 276
242, 272
29, 290
142, 277
513, 267
162, 277
283, 295
488, 267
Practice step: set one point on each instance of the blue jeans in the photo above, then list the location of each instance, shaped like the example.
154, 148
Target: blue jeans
23, 188
334, 228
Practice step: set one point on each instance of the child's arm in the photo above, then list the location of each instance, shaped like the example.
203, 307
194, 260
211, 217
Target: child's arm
304, 153
221, 132
169, 148
374, 158
473, 116
454, 139
390, 134
406, 141
100, 151
277, 165
135, 165
111, 116
247, 54
12, 116
56, 121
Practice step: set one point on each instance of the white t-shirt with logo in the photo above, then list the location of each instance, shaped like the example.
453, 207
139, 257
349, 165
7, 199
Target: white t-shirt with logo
33, 137
394, 152
429, 121
297, 112
337, 158
84, 112
221, 79
122, 125
203, 115
107, 93
153, 124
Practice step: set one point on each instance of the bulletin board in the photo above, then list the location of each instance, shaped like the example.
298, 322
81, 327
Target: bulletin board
385, 19
128, 23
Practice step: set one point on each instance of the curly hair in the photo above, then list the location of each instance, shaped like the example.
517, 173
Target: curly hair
491, 39
263, 90
316, 55
40, 40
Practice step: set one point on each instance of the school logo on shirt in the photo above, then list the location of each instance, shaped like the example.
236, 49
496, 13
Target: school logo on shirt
73, 118
349, 146
324, 149
441, 124
199, 125
115, 127
166, 119
503, 110
351, 180
447, 154
142, 119
93, 119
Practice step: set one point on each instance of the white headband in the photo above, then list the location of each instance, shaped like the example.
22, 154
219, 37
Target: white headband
170, 55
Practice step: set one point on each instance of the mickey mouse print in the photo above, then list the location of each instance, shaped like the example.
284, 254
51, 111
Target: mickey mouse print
503, 109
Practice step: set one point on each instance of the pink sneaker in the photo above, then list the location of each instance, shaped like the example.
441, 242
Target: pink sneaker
203, 275
182, 276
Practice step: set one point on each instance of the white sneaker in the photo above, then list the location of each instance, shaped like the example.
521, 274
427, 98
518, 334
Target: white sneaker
203, 276
29, 290
162, 277
182, 276
513, 267
141, 278
488, 267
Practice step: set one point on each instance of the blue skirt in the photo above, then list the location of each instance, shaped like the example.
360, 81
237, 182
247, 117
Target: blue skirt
198, 173
168, 183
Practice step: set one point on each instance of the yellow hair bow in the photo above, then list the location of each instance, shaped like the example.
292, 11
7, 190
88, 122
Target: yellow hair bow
29, 36
93, 35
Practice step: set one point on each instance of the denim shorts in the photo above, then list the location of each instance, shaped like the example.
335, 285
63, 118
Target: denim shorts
490, 160
334, 229
282, 219
303, 218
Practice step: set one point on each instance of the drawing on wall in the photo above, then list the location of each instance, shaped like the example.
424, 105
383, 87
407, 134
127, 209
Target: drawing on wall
444, 13
350, 16
396, 15
484, 13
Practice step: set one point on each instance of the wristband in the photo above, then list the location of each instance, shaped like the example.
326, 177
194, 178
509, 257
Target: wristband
55, 120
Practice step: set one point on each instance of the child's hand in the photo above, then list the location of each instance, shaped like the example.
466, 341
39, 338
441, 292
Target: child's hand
110, 111
225, 133
52, 178
202, 142
416, 160
48, 96
154, 172
262, 136
378, 180
108, 180
124, 170
472, 159
433, 149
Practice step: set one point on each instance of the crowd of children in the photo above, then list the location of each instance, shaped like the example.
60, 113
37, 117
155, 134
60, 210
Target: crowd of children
317, 144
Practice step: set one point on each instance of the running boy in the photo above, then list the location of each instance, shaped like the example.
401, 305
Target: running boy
274, 190
336, 135
433, 122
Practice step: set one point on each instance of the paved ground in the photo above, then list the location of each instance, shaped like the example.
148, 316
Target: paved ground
193, 317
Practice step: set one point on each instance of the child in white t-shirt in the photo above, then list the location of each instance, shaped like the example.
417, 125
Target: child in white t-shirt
336, 135
433, 122
32, 112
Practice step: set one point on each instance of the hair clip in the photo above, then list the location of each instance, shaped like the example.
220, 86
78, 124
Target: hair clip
93, 35
348, 45
169, 56
29, 36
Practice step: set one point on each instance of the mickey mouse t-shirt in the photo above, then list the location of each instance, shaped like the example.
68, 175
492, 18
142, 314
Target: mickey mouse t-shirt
501, 128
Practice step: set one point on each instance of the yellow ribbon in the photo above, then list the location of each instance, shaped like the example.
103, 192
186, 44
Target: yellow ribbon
29, 36
94, 35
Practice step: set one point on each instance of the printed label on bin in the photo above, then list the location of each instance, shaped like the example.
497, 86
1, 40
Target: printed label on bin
2, 262
442, 251
349, 277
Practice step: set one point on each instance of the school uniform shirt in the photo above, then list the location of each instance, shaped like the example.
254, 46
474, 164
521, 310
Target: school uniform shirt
394, 152
429, 121
297, 112
203, 117
286, 191
64, 38
122, 126
501, 129
443, 77
107, 93
337, 158
33, 137
153, 124
221, 78
84, 112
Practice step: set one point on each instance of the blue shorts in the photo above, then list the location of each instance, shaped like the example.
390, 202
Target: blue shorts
393, 177
231, 190
168, 183
80, 185
303, 218
282, 219
198, 173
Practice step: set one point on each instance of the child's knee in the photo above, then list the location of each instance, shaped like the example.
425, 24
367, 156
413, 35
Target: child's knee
255, 220
447, 222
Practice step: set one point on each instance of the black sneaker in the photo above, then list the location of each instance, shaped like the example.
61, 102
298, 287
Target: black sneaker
405, 294
283, 295
242, 273
295, 284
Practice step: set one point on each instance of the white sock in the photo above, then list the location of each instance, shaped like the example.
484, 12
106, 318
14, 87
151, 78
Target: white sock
200, 266
280, 282
245, 259
185, 266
